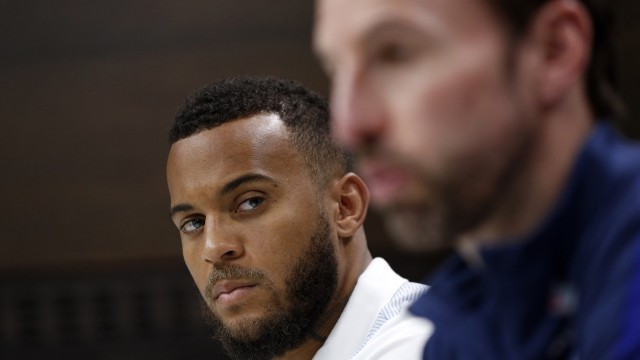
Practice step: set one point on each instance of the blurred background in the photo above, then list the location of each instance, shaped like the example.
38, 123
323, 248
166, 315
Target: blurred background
90, 264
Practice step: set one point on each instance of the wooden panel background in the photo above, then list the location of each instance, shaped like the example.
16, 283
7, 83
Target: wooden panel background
88, 90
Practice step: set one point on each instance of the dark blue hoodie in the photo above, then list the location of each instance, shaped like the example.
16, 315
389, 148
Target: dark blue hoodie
570, 290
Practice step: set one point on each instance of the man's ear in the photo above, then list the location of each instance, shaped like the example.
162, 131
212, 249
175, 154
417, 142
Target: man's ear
352, 197
561, 33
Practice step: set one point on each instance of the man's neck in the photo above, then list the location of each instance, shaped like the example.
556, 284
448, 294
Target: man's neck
356, 261
320, 332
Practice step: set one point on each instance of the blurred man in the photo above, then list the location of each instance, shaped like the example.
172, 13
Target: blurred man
271, 225
484, 125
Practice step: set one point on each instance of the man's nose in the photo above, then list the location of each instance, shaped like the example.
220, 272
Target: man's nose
356, 110
221, 244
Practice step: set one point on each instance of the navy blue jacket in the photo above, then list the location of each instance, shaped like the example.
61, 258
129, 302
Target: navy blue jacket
570, 290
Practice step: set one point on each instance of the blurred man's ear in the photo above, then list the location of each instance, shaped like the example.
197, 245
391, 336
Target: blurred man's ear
352, 198
561, 35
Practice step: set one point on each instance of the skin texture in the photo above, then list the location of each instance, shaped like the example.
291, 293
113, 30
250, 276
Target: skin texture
462, 133
249, 215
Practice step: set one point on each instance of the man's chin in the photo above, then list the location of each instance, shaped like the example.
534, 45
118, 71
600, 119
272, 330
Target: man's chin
241, 330
416, 231
240, 327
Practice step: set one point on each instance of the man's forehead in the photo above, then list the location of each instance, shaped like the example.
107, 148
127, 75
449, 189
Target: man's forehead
336, 19
342, 25
339, 24
254, 145
251, 140
332, 16
259, 128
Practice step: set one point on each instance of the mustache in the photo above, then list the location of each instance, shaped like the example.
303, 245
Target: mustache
230, 272
380, 153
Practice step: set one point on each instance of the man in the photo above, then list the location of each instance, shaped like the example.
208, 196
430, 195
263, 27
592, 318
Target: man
483, 124
270, 219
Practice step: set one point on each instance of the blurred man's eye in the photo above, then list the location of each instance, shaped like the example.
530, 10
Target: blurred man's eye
392, 53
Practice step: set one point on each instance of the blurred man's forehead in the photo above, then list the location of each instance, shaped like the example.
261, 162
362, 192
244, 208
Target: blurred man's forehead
338, 19
341, 25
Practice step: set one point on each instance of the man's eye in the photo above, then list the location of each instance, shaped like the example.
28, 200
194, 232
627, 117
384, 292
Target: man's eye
192, 226
250, 204
393, 53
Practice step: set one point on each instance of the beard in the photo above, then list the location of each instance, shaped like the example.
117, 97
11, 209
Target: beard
418, 229
457, 204
290, 316
452, 212
433, 224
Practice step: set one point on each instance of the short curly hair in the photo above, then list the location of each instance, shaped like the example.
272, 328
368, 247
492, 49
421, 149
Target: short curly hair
304, 113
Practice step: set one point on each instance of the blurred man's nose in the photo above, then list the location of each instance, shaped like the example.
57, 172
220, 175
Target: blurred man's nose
357, 119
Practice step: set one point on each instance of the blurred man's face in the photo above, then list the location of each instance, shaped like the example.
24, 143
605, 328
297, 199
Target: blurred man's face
254, 237
429, 96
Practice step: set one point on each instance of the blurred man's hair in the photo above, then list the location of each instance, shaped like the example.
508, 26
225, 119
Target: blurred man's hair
304, 113
601, 79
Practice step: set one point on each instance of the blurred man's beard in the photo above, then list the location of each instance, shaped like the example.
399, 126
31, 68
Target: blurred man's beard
417, 230
439, 224
456, 207
290, 317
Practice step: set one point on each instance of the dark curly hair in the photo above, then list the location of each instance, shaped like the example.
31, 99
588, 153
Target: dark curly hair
304, 113
601, 85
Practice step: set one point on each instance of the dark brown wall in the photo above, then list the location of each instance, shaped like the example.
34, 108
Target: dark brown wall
89, 88
90, 265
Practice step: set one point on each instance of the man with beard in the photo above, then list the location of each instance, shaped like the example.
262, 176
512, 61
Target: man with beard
485, 125
270, 219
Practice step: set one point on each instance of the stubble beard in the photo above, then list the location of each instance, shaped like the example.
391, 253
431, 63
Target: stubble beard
290, 317
454, 211
417, 229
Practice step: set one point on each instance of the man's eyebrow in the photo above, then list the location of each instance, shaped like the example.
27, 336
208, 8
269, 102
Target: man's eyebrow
228, 187
233, 184
388, 26
180, 208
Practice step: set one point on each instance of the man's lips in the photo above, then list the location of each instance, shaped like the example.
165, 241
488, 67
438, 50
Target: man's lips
384, 181
231, 290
